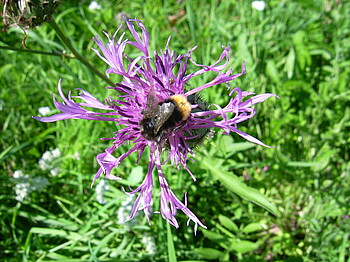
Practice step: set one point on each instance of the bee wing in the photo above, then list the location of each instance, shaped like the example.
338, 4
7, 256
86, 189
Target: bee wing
152, 100
152, 107
165, 111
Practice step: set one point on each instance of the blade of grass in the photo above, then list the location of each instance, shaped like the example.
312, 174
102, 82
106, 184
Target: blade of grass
171, 247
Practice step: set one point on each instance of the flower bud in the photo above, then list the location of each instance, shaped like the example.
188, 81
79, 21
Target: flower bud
27, 14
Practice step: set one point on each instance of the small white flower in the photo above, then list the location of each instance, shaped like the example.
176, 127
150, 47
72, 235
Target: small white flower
149, 244
124, 211
25, 184
43, 164
46, 156
17, 174
55, 171
46, 161
94, 6
76, 156
258, 5
22, 190
56, 153
44, 111
101, 187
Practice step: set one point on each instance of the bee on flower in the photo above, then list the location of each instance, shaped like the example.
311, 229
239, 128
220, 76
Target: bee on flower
154, 109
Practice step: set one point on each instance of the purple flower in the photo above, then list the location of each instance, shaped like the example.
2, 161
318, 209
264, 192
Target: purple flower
149, 86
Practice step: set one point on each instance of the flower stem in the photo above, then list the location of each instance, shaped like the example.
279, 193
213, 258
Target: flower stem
66, 41
53, 53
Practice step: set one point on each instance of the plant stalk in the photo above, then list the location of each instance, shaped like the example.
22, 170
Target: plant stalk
66, 41
53, 53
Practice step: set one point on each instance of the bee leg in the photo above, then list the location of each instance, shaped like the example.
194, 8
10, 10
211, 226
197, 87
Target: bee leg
179, 126
160, 137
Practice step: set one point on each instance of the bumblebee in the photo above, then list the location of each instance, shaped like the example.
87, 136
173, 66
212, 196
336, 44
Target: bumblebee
197, 136
160, 118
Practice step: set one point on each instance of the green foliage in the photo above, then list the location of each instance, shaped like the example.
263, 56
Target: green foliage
289, 203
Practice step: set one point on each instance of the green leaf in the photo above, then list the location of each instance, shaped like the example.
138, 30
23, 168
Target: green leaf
272, 72
302, 53
323, 156
209, 253
171, 247
38, 138
303, 57
243, 246
298, 38
136, 175
103, 243
290, 63
252, 227
234, 184
228, 223
214, 236
233, 148
243, 51
315, 225
345, 244
58, 257
304, 164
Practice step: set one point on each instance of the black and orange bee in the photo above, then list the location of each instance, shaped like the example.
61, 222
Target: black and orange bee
160, 118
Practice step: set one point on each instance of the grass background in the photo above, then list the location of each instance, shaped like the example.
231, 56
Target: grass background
296, 49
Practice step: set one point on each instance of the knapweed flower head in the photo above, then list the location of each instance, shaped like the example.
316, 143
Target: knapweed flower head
152, 109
